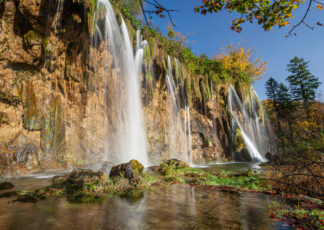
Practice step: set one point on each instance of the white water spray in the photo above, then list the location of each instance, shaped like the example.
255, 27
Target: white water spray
250, 119
125, 137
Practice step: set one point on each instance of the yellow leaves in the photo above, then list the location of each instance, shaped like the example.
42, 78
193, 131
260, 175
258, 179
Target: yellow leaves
238, 61
319, 7
284, 23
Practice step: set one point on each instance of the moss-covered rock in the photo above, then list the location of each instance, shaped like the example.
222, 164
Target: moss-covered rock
131, 170
174, 164
169, 166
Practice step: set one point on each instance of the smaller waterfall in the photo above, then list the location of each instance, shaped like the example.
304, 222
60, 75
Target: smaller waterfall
179, 130
189, 135
250, 118
176, 128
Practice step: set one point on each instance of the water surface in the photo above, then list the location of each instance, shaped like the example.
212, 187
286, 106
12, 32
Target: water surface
167, 207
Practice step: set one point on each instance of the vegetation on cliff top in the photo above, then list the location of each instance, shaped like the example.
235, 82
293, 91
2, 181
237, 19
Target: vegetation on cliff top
219, 68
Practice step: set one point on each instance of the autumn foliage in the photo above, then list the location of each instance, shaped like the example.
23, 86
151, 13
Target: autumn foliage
238, 61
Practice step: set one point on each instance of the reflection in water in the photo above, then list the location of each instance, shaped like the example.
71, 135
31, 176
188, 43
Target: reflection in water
170, 207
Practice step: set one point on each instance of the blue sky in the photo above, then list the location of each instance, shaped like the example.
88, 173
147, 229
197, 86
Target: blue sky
212, 32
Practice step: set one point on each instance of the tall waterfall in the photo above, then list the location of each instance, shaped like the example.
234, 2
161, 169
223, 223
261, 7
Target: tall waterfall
250, 118
125, 133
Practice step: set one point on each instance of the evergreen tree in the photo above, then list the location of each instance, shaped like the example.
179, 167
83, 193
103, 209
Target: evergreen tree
271, 89
285, 106
272, 94
302, 83
285, 102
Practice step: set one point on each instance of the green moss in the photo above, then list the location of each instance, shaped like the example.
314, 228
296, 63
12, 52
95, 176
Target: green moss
32, 38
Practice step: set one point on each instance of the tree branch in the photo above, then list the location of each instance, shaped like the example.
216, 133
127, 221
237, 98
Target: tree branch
159, 10
144, 13
303, 19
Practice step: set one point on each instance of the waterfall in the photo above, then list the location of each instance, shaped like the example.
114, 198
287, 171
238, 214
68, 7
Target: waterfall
179, 130
125, 133
250, 118
189, 134
175, 139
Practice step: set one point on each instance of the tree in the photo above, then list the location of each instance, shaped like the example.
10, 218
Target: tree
301, 82
285, 106
238, 61
266, 13
271, 89
272, 93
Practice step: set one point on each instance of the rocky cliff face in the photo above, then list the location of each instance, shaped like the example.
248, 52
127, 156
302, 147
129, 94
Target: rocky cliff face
53, 96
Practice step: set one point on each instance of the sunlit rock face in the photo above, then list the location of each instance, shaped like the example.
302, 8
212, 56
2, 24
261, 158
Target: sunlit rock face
65, 96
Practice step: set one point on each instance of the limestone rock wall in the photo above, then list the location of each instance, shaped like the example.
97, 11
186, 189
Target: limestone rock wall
52, 95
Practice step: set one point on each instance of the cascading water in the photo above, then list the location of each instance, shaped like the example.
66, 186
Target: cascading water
189, 134
125, 133
249, 117
176, 129
179, 130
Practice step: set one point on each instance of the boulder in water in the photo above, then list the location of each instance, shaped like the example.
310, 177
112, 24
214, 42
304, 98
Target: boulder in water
6, 185
130, 170
169, 165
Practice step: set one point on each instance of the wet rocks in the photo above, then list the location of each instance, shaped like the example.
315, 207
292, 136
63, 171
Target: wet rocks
6, 185
170, 165
131, 170
83, 177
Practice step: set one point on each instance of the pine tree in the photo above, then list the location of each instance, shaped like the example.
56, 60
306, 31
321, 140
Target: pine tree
285, 106
271, 89
301, 82
272, 94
